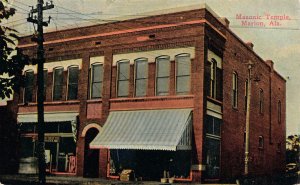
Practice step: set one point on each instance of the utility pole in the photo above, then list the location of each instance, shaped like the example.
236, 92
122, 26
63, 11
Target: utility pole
248, 119
40, 83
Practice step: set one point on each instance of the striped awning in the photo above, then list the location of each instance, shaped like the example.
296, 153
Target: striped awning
168, 129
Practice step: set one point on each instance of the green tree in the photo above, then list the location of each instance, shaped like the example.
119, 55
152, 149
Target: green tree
12, 60
292, 149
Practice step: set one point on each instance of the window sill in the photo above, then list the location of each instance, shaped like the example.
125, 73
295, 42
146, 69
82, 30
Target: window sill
214, 100
235, 109
150, 98
96, 100
68, 102
261, 148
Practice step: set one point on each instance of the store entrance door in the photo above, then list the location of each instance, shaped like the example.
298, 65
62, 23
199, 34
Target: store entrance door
91, 157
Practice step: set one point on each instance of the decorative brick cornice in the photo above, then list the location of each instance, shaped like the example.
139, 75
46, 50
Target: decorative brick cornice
154, 47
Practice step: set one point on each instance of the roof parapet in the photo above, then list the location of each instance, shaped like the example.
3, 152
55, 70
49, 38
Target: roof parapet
271, 64
225, 21
250, 45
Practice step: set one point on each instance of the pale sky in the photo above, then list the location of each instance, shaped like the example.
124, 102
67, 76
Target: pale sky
280, 43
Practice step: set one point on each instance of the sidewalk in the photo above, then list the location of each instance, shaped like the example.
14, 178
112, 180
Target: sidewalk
74, 180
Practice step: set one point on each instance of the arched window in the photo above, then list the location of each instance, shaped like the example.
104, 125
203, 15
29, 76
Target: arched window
58, 79
183, 73
213, 77
96, 80
141, 76
123, 78
234, 89
73, 72
28, 90
261, 101
261, 142
279, 111
162, 75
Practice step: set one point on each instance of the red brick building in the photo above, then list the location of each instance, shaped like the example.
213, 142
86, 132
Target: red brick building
157, 94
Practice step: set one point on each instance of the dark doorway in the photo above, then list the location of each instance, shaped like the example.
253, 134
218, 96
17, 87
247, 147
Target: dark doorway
91, 157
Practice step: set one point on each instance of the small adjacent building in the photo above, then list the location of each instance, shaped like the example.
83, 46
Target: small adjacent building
163, 95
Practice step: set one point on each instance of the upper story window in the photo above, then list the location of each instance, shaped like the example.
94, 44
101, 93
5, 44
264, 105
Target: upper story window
213, 84
183, 73
162, 75
123, 78
141, 76
261, 101
213, 80
96, 80
234, 89
28, 90
261, 142
279, 111
73, 72
58, 79
45, 83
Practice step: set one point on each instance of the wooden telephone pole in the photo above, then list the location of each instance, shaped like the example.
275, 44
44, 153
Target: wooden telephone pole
40, 81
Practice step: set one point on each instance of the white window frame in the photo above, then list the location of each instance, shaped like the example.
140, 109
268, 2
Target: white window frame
213, 78
157, 77
53, 82
234, 100
143, 59
68, 78
91, 80
117, 79
189, 75
24, 101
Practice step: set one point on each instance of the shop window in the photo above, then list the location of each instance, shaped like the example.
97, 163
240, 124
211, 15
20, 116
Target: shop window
234, 89
73, 72
261, 142
96, 80
162, 75
29, 80
141, 76
26, 147
261, 101
213, 125
212, 146
58, 79
279, 111
183, 71
123, 78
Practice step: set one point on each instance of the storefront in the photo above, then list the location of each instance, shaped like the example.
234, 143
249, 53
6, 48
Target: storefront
153, 143
60, 142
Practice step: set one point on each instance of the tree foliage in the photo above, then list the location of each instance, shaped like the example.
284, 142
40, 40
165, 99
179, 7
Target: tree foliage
12, 60
292, 149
